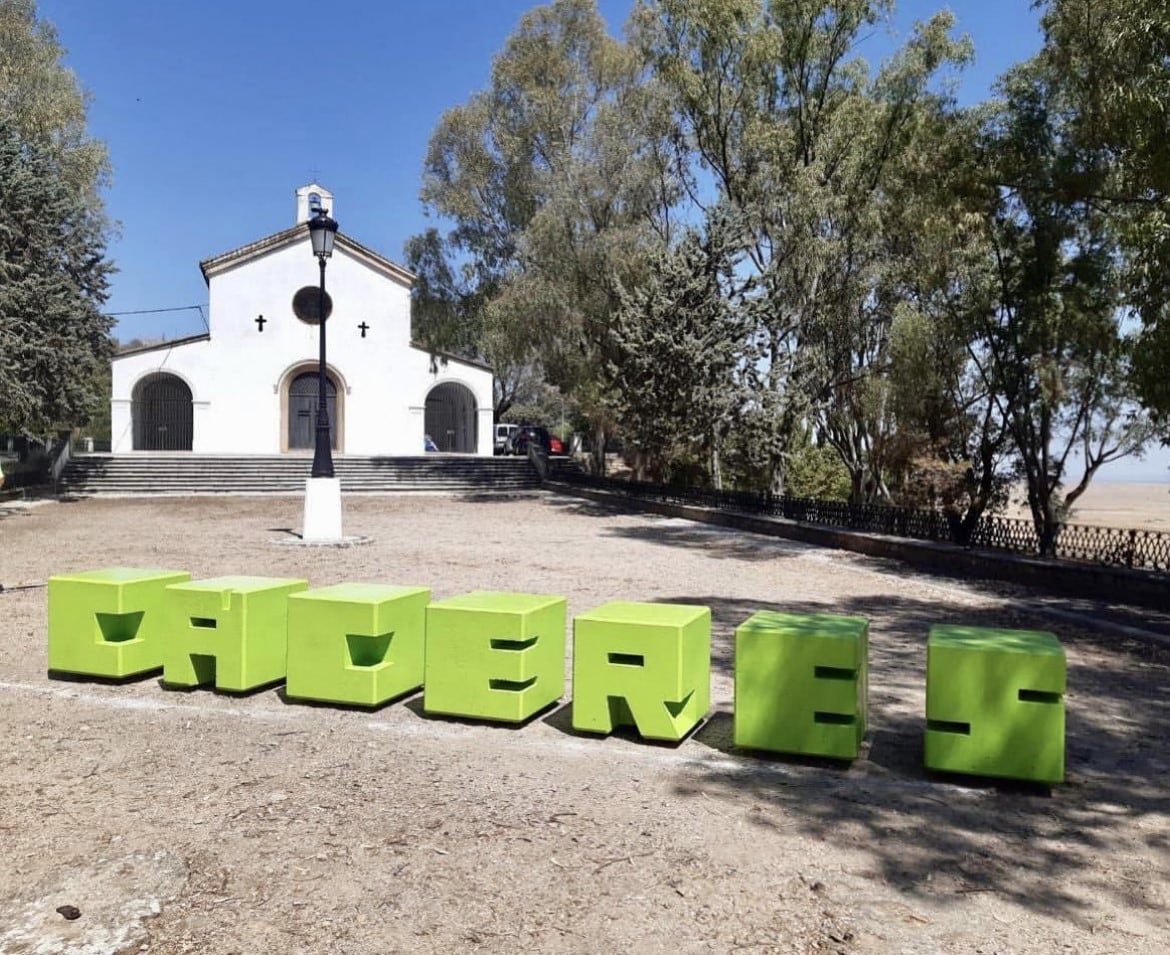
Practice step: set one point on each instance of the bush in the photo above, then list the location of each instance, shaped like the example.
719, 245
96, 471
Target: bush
817, 472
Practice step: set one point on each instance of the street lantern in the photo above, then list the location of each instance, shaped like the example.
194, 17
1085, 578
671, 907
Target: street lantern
322, 489
322, 230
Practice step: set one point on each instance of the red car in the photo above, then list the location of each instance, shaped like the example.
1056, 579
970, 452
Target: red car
554, 445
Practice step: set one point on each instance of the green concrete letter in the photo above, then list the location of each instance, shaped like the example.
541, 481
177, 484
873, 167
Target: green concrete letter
494, 656
801, 683
995, 703
229, 631
642, 665
109, 623
359, 644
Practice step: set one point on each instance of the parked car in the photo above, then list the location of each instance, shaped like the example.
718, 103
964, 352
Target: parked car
503, 435
526, 435
555, 446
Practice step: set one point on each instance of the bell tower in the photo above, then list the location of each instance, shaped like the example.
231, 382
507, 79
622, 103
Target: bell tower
312, 197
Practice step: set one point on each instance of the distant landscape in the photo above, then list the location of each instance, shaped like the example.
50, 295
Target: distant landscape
1144, 505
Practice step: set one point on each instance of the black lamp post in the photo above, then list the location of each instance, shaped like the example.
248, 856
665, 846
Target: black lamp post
322, 229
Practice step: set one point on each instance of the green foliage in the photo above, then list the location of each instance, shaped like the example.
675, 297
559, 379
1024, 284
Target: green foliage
54, 343
818, 472
53, 273
773, 102
452, 314
444, 314
942, 297
554, 183
677, 347
1053, 350
42, 103
1106, 62
542, 404
99, 425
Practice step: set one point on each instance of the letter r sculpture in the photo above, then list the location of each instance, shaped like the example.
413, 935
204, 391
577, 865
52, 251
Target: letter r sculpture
644, 665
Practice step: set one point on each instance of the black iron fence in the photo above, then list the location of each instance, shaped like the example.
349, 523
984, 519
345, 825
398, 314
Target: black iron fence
1108, 546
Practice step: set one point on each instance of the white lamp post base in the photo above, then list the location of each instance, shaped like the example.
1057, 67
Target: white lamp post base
322, 509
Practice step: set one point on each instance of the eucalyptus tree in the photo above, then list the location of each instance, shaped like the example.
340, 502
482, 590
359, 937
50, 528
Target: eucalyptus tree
43, 104
1108, 62
555, 180
1054, 349
951, 445
778, 112
450, 313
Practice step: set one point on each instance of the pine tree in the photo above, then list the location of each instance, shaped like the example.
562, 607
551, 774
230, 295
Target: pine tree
678, 345
54, 340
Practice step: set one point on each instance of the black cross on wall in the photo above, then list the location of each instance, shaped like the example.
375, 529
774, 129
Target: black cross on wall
260, 321
364, 328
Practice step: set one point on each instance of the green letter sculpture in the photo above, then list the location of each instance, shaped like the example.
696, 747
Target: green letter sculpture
358, 644
109, 623
801, 683
494, 656
995, 703
643, 665
229, 631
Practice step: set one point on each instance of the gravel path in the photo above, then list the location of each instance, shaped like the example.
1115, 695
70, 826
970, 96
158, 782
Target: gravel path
200, 822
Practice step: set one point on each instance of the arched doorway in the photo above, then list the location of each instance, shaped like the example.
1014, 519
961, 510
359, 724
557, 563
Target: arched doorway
302, 411
451, 419
162, 414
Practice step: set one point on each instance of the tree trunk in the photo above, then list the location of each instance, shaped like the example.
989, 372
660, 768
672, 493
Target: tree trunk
1043, 519
1047, 530
856, 487
962, 526
776, 480
599, 452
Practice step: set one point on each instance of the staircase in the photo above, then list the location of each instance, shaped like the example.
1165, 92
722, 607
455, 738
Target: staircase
144, 473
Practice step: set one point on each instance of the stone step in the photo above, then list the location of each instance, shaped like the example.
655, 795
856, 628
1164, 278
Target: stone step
256, 474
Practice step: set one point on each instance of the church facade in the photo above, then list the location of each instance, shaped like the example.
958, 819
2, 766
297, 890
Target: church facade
250, 386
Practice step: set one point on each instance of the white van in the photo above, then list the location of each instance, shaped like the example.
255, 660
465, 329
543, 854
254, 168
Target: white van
503, 433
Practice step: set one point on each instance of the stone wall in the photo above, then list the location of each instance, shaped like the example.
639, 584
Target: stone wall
1116, 584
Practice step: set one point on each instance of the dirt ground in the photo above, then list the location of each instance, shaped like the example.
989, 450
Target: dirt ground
196, 822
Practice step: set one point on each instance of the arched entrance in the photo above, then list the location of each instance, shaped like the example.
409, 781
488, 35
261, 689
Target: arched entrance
301, 416
451, 419
162, 414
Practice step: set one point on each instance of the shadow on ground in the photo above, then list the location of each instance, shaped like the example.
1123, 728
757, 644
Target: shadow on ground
944, 837
718, 542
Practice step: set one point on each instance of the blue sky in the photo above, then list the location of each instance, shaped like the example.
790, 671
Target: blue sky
215, 112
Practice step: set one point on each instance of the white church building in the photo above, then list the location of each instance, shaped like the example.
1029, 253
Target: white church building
249, 385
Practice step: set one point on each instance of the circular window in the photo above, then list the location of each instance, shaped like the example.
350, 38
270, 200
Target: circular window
305, 305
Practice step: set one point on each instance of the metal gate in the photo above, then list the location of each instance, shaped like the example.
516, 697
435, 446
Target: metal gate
162, 414
302, 411
450, 418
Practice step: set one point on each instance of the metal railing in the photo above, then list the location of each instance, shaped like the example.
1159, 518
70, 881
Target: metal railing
59, 455
1107, 546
